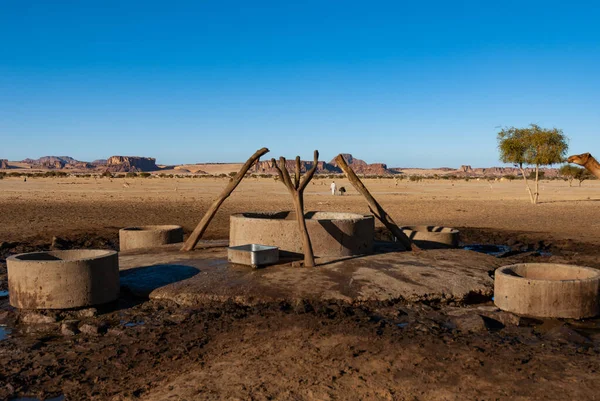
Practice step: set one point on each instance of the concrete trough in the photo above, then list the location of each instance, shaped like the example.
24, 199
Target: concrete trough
63, 279
254, 255
548, 290
149, 236
332, 234
433, 237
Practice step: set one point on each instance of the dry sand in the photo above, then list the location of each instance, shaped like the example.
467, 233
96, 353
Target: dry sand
404, 351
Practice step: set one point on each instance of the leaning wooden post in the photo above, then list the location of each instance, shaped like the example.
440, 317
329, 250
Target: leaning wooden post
374, 206
212, 210
296, 189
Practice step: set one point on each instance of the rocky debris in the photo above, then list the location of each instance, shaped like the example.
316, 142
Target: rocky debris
37, 318
125, 164
69, 327
3, 164
59, 243
88, 312
90, 328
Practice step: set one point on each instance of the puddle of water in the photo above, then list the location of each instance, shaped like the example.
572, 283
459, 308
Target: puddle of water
402, 325
494, 250
132, 324
59, 398
4, 332
3, 294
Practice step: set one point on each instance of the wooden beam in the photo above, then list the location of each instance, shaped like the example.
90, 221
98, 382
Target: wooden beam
192, 241
374, 206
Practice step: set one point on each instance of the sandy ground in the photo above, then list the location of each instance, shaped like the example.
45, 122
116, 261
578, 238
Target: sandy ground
152, 350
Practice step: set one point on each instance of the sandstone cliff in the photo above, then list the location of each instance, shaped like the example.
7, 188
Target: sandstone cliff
3, 164
361, 167
266, 167
120, 164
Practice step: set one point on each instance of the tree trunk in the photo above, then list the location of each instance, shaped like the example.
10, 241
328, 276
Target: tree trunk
527, 185
212, 210
309, 258
537, 184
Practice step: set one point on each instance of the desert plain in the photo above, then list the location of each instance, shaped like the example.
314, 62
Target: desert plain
399, 350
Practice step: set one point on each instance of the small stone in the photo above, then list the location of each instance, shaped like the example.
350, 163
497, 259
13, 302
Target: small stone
4, 316
69, 327
470, 323
37, 318
59, 243
115, 332
90, 329
88, 312
565, 335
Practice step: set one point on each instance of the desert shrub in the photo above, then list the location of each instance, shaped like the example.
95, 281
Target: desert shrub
415, 178
131, 174
107, 174
532, 175
145, 175
509, 177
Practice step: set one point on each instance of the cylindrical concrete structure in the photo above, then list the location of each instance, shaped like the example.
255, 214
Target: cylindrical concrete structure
332, 234
548, 290
433, 237
149, 236
63, 279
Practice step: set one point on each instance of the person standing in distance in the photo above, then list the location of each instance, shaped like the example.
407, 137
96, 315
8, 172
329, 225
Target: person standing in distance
333, 188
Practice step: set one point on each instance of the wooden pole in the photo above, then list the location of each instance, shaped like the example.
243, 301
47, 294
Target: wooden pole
296, 189
192, 241
374, 206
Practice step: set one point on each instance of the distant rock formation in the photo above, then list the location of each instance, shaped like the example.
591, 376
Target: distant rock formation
361, 167
3, 164
125, 164
52, 162
99, 162
267, 167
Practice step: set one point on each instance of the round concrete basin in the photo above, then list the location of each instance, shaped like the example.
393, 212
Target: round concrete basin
432, 237
332, 234
149, 236
548, 290
63, 279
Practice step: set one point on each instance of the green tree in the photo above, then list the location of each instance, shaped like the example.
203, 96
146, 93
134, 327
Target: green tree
569, 172
582, 174
534, 146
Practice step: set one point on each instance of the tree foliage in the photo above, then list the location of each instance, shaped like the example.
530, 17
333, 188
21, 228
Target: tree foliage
575, 173
534, 146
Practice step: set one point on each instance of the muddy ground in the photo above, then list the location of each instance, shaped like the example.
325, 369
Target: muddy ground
150, 350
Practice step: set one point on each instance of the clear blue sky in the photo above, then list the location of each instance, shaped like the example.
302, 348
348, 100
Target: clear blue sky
420, 83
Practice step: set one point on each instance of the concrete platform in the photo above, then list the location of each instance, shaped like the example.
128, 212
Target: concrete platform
204, 275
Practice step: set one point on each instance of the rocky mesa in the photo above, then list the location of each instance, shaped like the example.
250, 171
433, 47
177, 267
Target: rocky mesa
125, 164
359, 167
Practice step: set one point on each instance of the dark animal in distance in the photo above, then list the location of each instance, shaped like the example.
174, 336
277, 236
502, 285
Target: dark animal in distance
342, 190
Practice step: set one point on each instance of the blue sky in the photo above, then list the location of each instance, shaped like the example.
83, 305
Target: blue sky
421, 84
